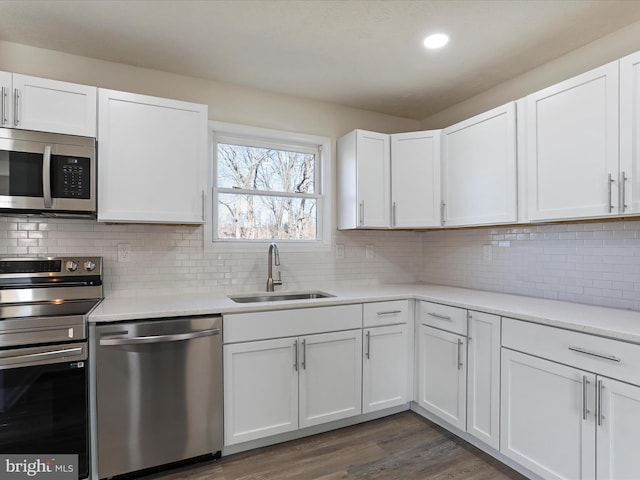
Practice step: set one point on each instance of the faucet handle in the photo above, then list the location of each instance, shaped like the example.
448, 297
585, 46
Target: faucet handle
279, 280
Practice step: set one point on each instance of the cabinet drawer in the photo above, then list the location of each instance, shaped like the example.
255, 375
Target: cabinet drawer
604, 356
385, 313
452, 319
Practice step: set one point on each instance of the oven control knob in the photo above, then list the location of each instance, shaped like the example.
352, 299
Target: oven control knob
89, 266
71, 266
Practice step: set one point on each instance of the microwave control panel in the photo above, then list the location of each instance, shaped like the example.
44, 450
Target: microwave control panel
71, 177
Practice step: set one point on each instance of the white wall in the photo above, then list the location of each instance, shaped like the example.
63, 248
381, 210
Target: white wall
169, 259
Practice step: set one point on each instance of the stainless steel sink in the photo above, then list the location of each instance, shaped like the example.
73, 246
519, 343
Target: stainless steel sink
279, 297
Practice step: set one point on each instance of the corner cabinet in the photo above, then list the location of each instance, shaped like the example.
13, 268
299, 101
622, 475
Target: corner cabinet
152, 159
572, 147
415, 179
41, 104
363, 166
479, 169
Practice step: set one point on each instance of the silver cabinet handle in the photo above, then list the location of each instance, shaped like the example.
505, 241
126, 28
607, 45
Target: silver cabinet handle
442, 220
609, 182
362, 212
16, 107
46, 177
125, 340
595, 354
585, 386
390, 312
460, 354
295, 355
393, 215
304, 354
623, 195
5, 118
599, 402
436, 315
368, 352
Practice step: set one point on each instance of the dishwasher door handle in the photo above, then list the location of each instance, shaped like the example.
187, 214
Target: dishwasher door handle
125, 340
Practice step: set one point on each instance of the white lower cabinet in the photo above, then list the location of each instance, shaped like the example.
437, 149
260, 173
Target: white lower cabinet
483, 377
276, 386
544, 425
569, 420
618, 430
384, 367
330, 369
442, 371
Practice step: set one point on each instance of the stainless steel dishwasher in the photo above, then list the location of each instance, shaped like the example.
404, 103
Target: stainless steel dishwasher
158, 392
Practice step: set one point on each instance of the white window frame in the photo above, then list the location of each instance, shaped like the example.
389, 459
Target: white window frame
324, 206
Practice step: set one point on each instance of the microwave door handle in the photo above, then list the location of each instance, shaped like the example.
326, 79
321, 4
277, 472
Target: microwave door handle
46, 177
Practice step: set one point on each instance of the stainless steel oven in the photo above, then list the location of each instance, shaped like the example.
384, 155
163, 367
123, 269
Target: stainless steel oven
43, 355
47, 174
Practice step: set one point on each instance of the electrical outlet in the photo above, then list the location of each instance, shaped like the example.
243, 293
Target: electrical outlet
124, 252
368, 249
339, 251
487, 253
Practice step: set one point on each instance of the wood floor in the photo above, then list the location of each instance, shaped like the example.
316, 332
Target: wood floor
404, 446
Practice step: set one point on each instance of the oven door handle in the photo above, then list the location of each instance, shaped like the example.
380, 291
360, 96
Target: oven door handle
11, 360
125, 340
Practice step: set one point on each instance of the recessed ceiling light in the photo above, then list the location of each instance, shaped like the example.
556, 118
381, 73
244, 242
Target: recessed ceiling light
437, 40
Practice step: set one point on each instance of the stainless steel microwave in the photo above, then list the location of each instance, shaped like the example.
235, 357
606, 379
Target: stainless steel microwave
47, 174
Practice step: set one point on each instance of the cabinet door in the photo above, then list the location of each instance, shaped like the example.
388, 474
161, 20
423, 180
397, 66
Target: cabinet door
330, 377
483, 384
373, 167
547, 420
442, 375
479, 169
415, 179
384, 368
6, 100
630, 134
260, 389
619, 424
53, 106
572, 147
152, 159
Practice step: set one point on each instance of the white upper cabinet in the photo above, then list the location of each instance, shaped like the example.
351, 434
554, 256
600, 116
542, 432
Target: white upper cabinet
572, 147
415, 179
6, 99
479, 169
32, 103
630, 134
363, 180
152, 159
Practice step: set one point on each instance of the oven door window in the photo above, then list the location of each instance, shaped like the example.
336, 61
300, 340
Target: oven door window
43, 410
20, 174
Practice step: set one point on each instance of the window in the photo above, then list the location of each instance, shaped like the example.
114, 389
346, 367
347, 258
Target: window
269, 186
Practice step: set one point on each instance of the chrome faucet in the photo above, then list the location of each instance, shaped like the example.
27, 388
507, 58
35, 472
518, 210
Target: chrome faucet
270, 281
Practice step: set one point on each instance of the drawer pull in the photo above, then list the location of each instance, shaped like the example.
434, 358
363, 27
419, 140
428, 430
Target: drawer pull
595, 354
441, 317
391, 312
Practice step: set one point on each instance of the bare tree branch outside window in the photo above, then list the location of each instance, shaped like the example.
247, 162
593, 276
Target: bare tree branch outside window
266, 193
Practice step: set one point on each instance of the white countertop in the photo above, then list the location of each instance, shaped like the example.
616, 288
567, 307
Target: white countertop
608, 322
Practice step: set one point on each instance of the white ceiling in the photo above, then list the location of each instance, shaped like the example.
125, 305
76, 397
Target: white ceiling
361, 53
